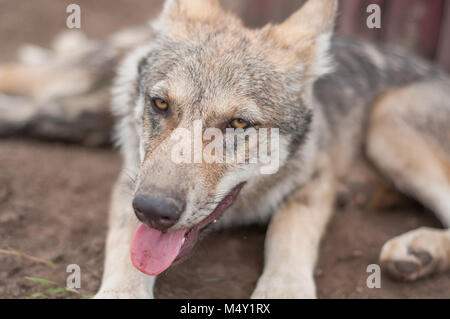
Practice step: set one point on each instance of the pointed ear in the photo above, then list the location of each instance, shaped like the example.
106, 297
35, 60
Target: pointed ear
308, 33
195, 10
315, 18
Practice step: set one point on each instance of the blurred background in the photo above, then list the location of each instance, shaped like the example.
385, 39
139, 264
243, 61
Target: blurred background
54, 196
422, 26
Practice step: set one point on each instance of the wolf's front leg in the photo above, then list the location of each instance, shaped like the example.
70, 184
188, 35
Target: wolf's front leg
120, 278
293, 239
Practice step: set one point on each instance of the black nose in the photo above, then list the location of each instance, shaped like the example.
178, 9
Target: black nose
158, 212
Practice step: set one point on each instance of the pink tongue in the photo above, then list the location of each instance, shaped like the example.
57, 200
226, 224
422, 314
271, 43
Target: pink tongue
152, 252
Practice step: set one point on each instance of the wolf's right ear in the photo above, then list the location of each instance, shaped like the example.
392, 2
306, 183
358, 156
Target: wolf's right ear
178, 14
193, 10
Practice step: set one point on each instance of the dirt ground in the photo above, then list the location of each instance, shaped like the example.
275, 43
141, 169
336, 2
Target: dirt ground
53, 206
54, 202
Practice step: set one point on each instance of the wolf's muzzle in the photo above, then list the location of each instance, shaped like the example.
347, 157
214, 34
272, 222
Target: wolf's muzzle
158, 212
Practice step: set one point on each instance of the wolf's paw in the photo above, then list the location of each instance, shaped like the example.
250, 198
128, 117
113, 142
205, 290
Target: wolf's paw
416, 254
118, 290
121, 294
284, 286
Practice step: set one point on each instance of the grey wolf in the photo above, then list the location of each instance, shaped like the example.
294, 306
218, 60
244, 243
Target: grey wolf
347, 112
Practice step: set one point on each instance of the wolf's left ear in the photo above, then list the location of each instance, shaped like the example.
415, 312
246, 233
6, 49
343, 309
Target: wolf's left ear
308, 32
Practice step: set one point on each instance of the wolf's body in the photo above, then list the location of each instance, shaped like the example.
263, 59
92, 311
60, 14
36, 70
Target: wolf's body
380, 118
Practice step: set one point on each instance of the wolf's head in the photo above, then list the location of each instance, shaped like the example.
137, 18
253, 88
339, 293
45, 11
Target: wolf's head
204, 73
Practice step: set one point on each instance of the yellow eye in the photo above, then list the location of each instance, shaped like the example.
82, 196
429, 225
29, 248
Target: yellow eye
239, 124
160, 104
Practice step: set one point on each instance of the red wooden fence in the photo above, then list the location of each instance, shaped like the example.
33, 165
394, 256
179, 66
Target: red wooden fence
422, 26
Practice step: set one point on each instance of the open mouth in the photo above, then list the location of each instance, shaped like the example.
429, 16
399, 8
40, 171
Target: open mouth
153, 251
